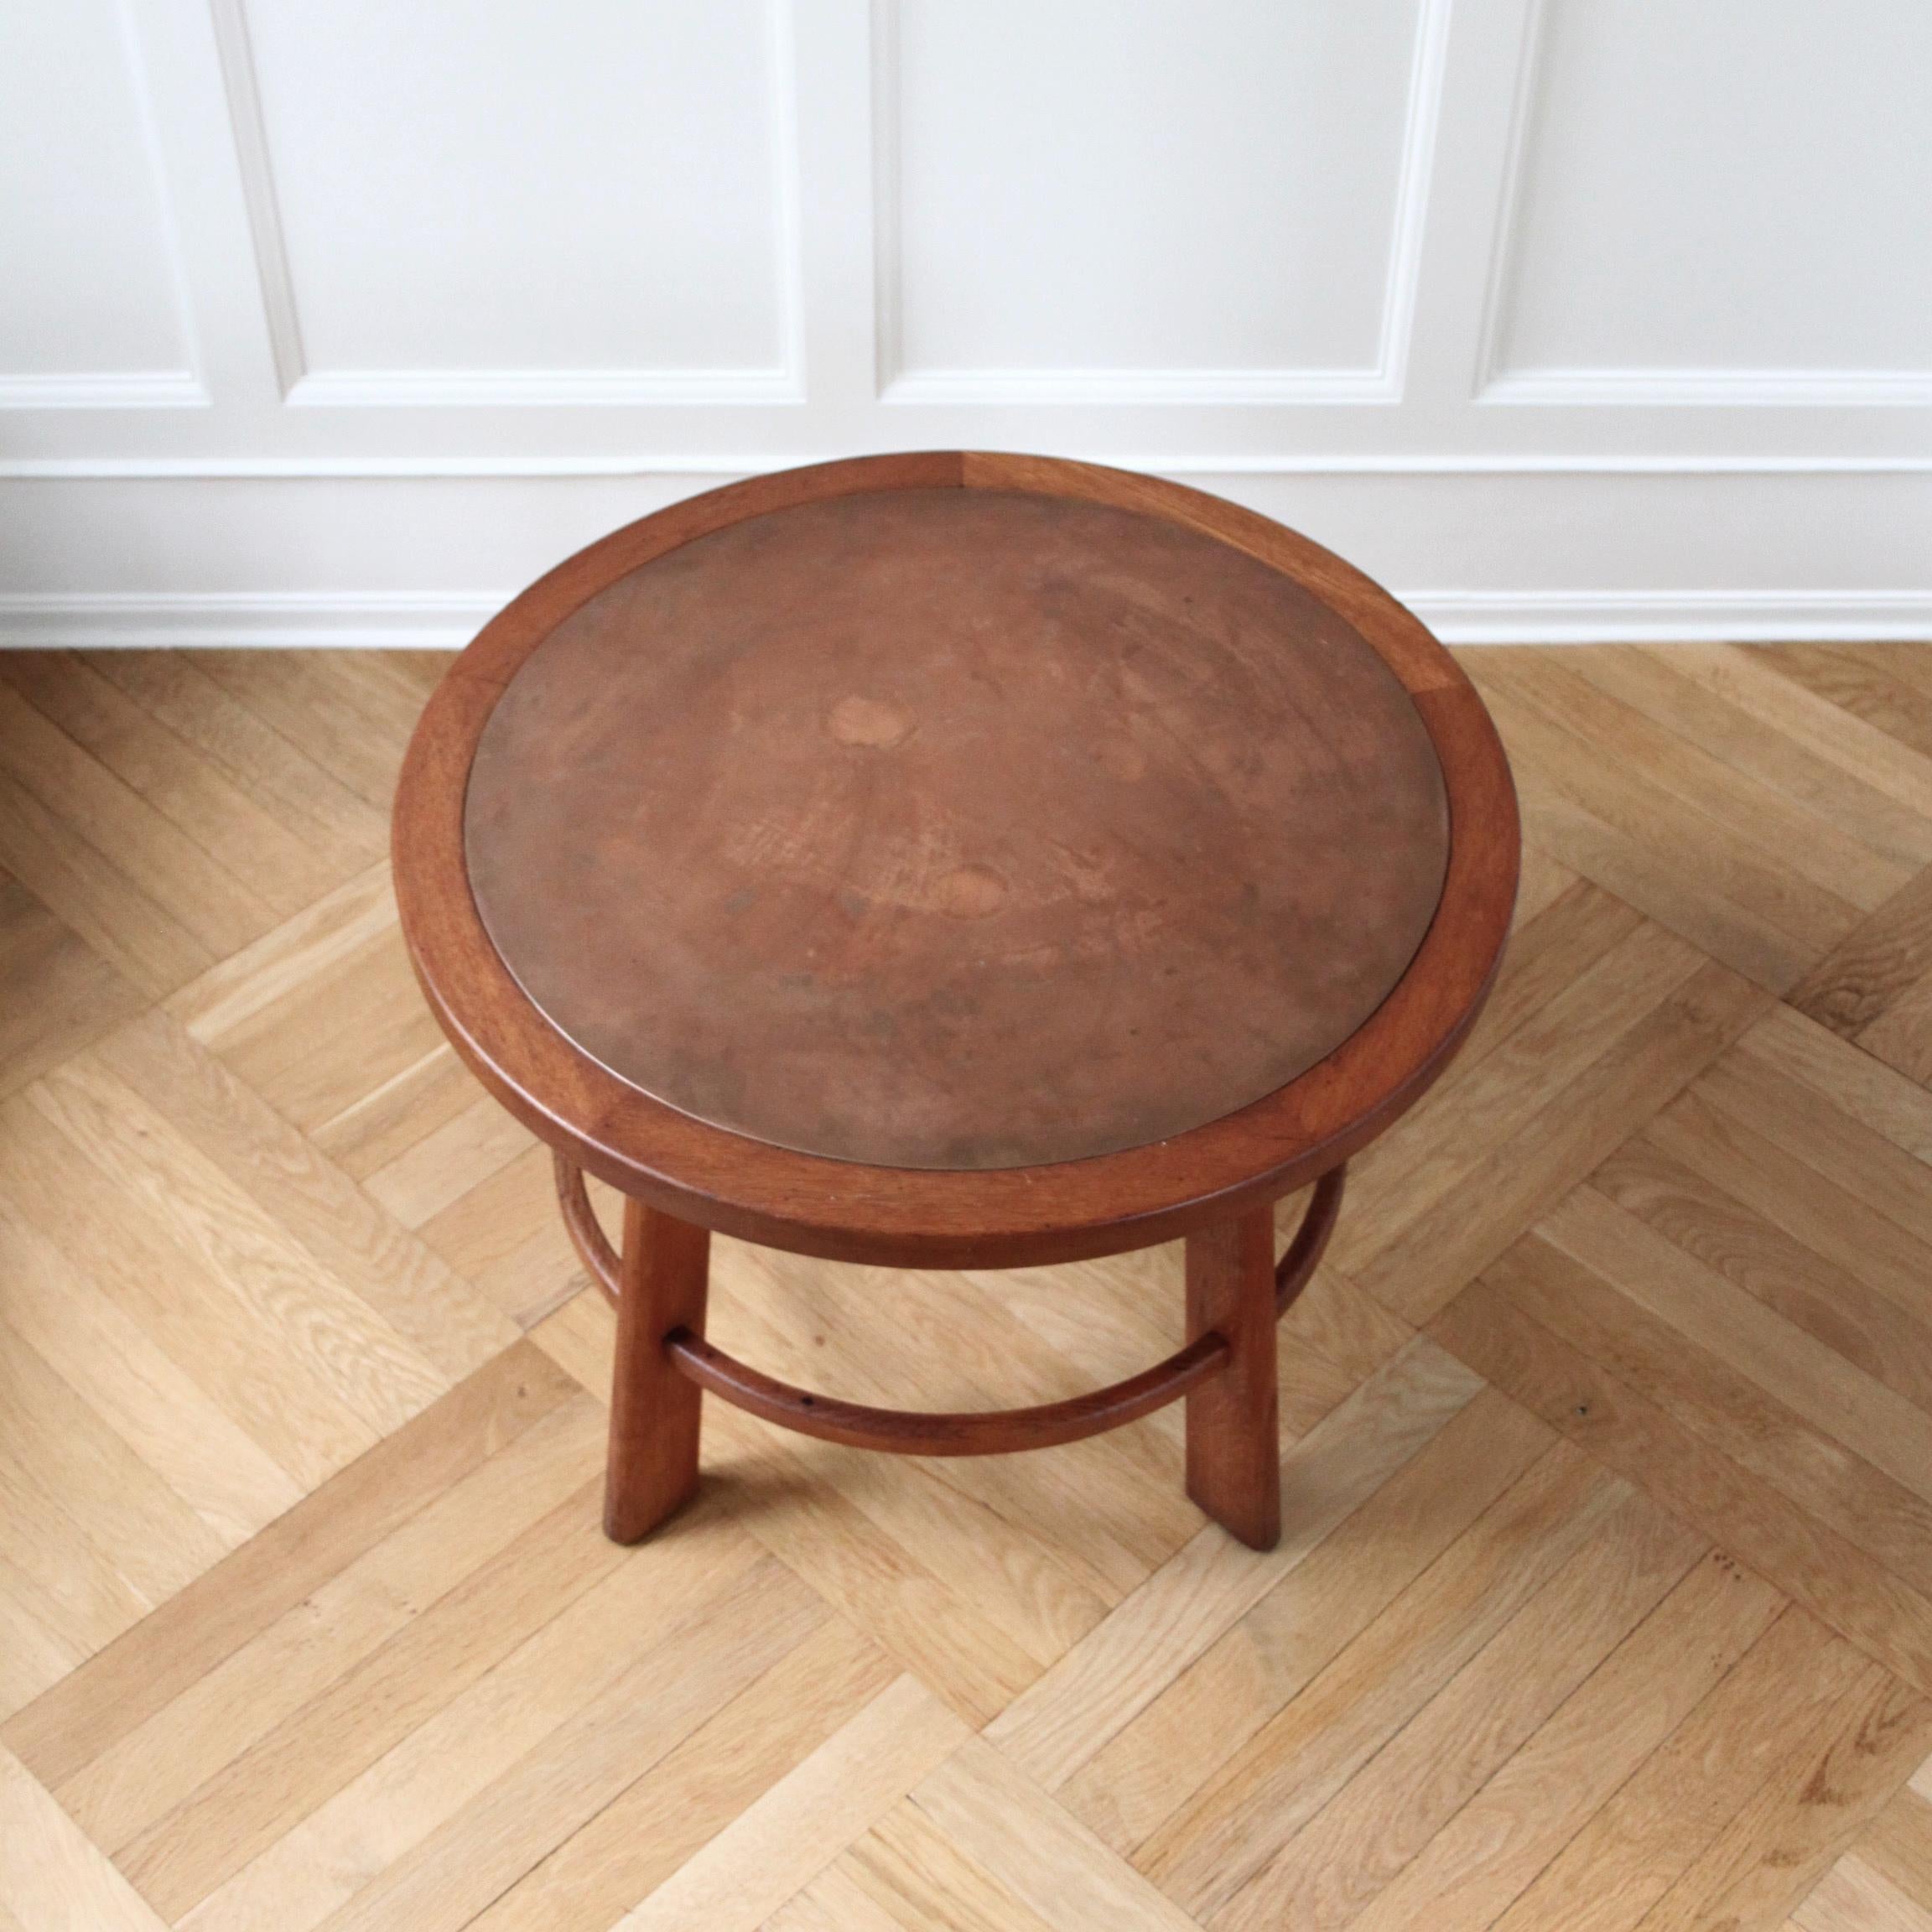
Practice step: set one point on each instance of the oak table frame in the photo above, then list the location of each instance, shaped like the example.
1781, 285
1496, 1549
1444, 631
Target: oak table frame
1216, 1184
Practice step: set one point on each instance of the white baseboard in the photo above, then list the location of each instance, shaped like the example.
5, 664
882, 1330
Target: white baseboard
446, 622
1674, 617
258, 619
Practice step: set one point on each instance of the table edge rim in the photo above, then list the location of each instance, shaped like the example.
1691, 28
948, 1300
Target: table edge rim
784, 1198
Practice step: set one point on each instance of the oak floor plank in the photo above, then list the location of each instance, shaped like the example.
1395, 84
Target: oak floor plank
37, 1646
110, 911
916, 1878
201, 894
189, 790
1720, 853
432, 1308
1809, 1560
155, 1540
1764, 1861
1652, 679
399, 1110
219, 1005
53, 1878
57, 994
273, 770
1902, 1035
449, 1161
1645, 867
1851, 1897
819, 1326
1855, 1160
66, 1577
1898, 1846
117, 1691
1216, 1704
1849, 679
137, 1390
310, 1755
710, 1656
1784, 1692
1728, 1151
987, 1807
1753, 680
133, 1789
221, 1334
1882, 958
1324, 1875
833, 1902
1233, 1828
426, 1780
781, 1842
1114, 1672
1813, 846
1431, 1155
649, 1833
1609, 1728
1516, 1180
1835, 1306
325, 1336
354, 728
1814, 1381
1578, 1296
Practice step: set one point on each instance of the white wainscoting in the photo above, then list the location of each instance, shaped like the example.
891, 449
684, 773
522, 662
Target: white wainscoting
1568, 319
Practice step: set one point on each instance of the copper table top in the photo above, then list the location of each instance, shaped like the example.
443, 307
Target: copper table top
955, 829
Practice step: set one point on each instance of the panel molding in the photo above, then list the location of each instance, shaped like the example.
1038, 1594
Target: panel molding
735, 464
105, 389
306, 387
1709, 387
249, 134
1635, 386
1380, 383
536, 388
182, 388
143, 619
104, 620
1672, 616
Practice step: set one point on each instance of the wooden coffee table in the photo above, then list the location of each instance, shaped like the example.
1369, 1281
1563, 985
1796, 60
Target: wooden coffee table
955, 860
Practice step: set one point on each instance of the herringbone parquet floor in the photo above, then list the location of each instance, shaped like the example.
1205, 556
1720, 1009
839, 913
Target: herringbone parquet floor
1607, 1597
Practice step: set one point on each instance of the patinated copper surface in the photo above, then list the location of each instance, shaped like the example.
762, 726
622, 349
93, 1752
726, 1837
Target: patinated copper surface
951, 828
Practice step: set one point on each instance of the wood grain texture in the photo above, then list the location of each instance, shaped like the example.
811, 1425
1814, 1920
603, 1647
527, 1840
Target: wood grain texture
991, 1209
1602, 1601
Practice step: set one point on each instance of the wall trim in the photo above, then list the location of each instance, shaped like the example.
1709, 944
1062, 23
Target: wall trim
304, 469
1379, 384
129, 388
303, 386
445, 621
1712, 387
104, 389
98, 620
1114, 387
522, 388
1672, 616
248, 132
1633, 387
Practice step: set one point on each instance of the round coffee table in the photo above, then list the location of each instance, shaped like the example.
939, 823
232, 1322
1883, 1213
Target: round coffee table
955, 861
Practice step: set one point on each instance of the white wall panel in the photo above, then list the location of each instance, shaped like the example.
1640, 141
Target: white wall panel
1134, 199
90, 307
455, 284
1735, 192
525, 200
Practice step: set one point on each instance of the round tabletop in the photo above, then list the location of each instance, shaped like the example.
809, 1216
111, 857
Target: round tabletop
955, 858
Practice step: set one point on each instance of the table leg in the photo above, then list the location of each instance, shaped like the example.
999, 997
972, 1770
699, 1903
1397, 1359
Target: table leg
1234, 1450
654, 1409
